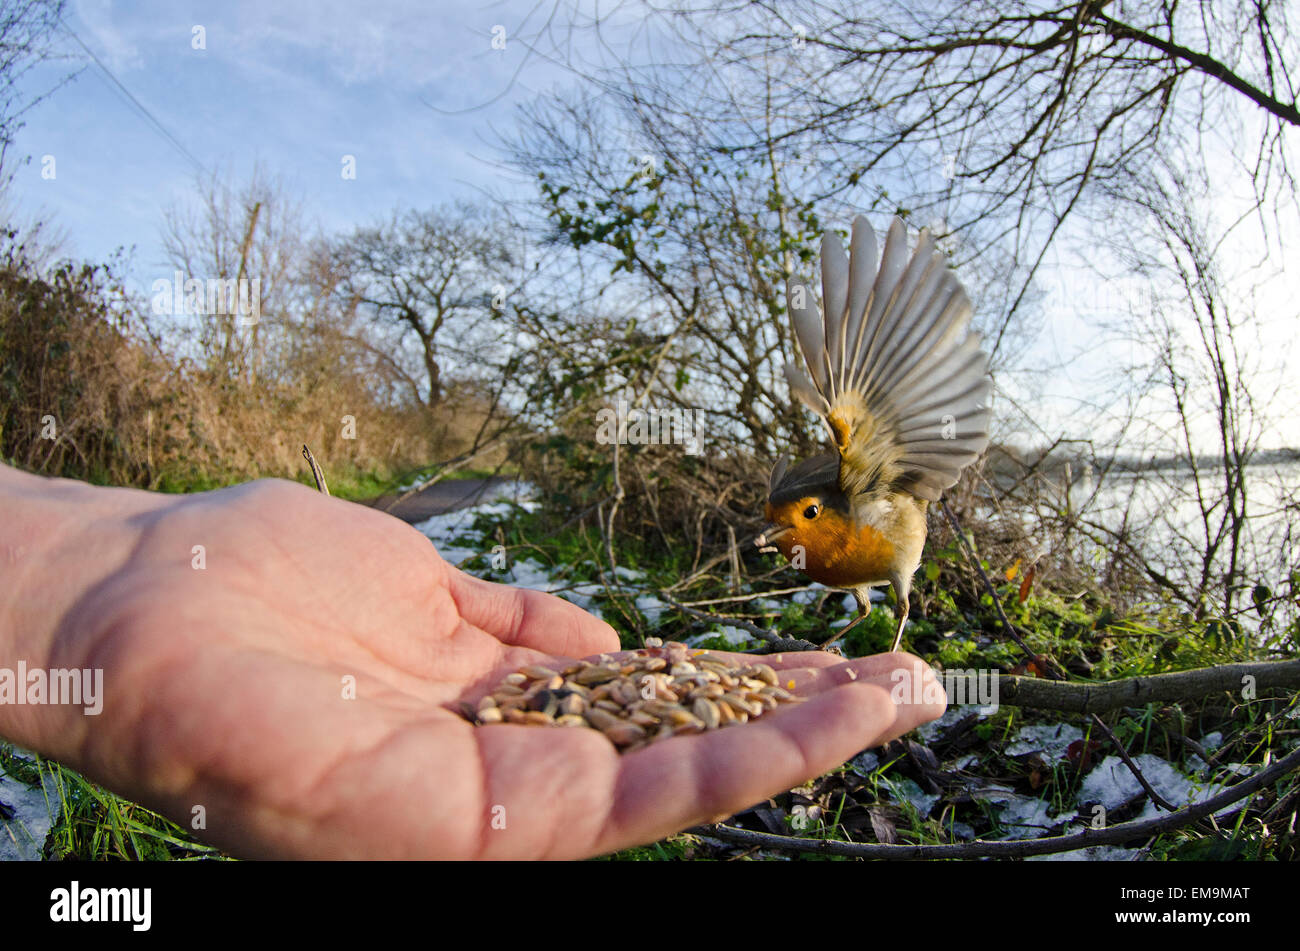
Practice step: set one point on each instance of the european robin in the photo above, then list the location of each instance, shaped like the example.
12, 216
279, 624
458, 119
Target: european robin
901, 383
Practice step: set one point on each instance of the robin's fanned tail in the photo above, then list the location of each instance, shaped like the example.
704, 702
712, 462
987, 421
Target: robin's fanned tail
902, 385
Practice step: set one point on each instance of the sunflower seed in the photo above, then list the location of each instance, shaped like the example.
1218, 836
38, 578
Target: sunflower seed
573, 705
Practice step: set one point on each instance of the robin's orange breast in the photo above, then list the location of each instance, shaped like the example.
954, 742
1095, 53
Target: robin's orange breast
835, 551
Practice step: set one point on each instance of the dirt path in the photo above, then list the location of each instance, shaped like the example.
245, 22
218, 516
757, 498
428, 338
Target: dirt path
438, 498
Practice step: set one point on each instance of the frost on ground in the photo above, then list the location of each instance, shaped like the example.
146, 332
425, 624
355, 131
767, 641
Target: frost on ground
26, 814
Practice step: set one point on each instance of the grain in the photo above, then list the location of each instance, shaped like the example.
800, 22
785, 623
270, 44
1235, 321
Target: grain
662, 691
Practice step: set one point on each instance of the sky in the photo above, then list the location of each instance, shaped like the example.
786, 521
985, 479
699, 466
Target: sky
416, 94
294, 86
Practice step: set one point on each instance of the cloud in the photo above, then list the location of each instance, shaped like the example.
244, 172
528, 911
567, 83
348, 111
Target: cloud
103, 35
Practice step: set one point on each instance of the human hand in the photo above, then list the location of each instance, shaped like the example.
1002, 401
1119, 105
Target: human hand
225, 686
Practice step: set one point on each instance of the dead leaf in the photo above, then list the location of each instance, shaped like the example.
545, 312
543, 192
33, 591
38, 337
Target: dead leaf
1026, 583
882, 826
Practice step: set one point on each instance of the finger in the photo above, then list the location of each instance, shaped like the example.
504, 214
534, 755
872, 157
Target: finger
533, 619
812, 672
686, 781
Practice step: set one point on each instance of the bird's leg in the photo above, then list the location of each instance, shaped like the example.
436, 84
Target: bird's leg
900, 612
846, 628
863, 597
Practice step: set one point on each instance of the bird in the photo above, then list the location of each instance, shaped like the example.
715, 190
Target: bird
901, 382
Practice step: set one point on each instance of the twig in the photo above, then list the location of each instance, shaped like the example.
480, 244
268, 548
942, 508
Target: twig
315, 470
1020, 847
1134, 691
772, 643
751, 596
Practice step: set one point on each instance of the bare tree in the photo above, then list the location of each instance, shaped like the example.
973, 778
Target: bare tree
26, 27
241, 233
433, 275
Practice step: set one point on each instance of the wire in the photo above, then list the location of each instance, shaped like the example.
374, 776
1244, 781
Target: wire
149, 116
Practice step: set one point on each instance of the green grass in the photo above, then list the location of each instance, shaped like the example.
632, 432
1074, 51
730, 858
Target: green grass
91, 823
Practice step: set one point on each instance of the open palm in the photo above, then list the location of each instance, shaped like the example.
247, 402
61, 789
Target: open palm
293, 682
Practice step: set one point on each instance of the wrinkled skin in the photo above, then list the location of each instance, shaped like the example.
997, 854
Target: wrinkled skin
225, 687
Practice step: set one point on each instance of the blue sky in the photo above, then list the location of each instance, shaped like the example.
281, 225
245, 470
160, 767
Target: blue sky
295, 86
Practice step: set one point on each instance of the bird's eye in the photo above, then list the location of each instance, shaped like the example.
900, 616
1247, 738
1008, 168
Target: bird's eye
811, 511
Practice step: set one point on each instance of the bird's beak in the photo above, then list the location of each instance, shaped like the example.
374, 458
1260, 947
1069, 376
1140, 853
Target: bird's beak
770, 534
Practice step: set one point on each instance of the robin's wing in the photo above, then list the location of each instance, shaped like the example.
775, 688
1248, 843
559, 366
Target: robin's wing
810, 477
897, 374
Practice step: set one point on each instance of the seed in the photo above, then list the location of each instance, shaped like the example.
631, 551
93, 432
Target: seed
765, 674
602, 719
570, 720
537, 718
685, 667
686, 722
707, 711
490, 715
508, 690
622, 734
485, 702
537, 672
662, 708
625, 692
573, 705
544, 701
741, 705
609, 706
515, 679
591, 676
654, 663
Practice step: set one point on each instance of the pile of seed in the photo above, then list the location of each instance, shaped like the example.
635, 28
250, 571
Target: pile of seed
655, 693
